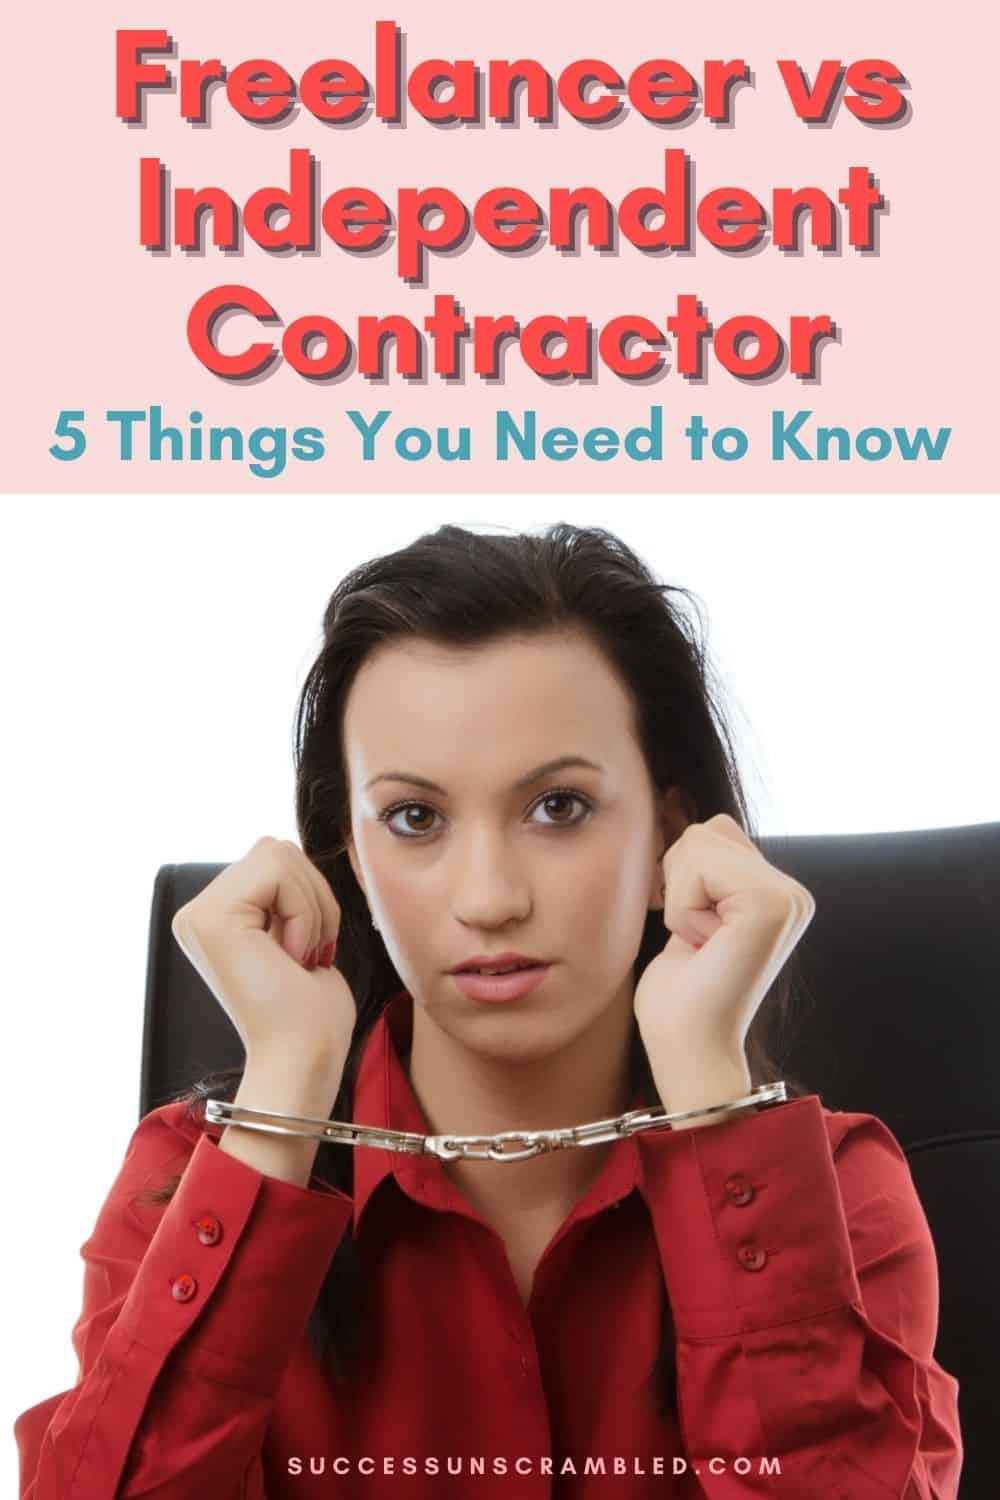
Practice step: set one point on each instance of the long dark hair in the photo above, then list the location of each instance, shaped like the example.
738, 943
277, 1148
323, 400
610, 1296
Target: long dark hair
463, 588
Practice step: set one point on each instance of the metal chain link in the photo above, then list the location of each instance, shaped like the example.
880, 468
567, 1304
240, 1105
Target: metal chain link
479, 1147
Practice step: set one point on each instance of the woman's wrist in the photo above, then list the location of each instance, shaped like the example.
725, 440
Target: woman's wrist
288, 1085
719, 1118
301, 1081
712, 1082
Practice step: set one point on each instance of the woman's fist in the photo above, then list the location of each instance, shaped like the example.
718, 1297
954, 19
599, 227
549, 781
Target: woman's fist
734, 918
249, 934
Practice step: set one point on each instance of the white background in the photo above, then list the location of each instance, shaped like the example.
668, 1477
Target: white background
153, 648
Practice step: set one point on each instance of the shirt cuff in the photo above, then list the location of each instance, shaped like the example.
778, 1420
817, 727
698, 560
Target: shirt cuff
749, 1221
233, 1270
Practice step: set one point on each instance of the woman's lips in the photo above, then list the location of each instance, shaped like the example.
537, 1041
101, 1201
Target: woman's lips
493, 987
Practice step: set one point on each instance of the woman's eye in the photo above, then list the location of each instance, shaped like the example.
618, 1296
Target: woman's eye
411, 814
563, 798
408, 808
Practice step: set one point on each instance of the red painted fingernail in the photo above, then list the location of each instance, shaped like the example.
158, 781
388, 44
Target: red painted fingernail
310, 959
326, 955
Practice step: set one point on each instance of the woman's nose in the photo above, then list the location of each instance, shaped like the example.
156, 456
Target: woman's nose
489, 890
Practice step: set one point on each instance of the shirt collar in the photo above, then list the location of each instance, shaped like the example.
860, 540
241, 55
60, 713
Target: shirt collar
384, 1097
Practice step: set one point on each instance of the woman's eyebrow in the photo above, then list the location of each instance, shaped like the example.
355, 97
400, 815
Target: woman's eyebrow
560, 763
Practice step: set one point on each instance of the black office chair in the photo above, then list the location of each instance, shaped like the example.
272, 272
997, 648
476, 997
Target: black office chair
902, 959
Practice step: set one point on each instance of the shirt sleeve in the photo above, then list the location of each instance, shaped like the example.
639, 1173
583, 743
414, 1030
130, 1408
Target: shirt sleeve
804, 1287
191, 1314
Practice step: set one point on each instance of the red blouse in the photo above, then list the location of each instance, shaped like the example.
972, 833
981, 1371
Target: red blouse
797, 1256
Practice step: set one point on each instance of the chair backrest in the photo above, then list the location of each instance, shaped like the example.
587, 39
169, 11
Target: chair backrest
902, 960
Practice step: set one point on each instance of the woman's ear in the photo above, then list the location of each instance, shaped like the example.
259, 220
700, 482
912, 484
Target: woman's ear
677, 811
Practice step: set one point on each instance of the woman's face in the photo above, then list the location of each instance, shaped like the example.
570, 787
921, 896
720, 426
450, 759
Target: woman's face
562, 868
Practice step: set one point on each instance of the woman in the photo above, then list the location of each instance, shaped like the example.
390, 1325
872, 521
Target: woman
508, 752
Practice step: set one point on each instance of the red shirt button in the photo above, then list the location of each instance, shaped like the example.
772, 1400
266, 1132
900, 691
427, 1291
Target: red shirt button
209, 1229
738, 1190
751, 1257
183, 1287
